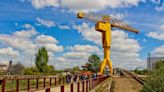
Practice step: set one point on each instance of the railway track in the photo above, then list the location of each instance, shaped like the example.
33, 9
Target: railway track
126, 81
134, 76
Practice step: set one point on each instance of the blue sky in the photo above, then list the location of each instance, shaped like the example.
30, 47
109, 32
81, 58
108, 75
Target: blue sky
27, 25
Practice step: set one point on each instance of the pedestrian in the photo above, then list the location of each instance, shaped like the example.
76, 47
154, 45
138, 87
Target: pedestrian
75, 78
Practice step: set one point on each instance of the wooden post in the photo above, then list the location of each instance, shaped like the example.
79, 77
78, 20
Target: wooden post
55, 81
87, 86
47, 89
62, 88
82, 86
71, 87
92, 83
50, 81
17, 85
37, 80
28, 84
44, 84
3, 85
78, 87
63, 81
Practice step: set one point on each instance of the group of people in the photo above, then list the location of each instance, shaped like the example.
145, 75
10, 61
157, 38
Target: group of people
69, 78
76, 77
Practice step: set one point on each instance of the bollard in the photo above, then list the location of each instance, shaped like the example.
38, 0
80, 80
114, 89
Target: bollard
28, 84
37, 80
17, 85
3, 85
47, 89
78, 87
62, 88
71, 88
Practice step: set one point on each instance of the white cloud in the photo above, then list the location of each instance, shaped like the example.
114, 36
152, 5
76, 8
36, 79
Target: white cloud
160, 8
85, 5
118, 16
81, 52
39, 4
46, 39
76, 55
162, 27
96, 5
89, 33
9, 52
47, 23
53, 47
25, 33
27, 44
28, 26
64, 27
124, 50
155, 35
158, 34
84, 48
159, 51
17, 42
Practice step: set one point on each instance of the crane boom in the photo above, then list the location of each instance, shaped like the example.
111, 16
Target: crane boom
113, 21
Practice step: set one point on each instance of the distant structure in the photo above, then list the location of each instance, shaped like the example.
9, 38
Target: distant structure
3, 68
10, 63
152, 60
85, 66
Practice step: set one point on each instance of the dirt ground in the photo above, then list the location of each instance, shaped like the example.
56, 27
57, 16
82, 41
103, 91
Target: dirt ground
123, 84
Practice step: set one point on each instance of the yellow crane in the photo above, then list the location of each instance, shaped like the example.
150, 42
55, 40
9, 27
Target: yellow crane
104, 24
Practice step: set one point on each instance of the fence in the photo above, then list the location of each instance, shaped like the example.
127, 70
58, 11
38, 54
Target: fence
33, 84
81, 86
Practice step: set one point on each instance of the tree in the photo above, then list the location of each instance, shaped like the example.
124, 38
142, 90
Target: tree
51, 69
155, 81
76, 68
31, 71
93, 63
159, 64
41, 60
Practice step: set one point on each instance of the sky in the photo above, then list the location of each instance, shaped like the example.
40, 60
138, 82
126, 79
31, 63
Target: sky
27, 25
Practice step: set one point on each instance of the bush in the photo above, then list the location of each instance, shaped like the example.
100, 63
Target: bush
155, 81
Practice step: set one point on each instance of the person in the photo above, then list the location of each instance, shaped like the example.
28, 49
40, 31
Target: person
75, 78
82, 77
67, 79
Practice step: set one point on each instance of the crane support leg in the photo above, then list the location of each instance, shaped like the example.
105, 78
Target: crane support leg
109, 63
106, 61
103, 64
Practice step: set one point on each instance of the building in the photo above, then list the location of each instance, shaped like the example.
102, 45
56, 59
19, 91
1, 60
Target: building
152, 60
3, 68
